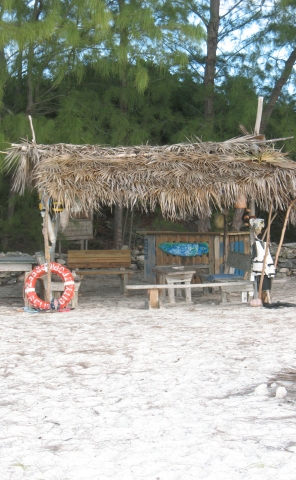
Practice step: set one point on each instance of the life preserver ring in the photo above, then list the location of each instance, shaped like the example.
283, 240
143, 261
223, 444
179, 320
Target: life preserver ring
39, 272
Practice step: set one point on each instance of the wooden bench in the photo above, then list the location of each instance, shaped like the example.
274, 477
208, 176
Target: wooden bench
102, 262
154, 290
235, 260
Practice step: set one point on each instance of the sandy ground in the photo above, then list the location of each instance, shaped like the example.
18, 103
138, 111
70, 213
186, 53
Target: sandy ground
113, 391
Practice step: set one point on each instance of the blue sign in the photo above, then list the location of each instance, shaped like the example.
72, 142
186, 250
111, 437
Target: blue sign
183, 249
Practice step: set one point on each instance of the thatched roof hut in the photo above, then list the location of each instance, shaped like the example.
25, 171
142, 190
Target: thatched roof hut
184, 179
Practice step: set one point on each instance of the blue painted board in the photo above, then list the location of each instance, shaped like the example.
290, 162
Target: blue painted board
184, 249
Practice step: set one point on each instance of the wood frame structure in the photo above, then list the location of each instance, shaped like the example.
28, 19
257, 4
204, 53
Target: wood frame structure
184, 179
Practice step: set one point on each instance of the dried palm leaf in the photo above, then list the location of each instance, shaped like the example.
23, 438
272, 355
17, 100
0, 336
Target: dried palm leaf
184, 179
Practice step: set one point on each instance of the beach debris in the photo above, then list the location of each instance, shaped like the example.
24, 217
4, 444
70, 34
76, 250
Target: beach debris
281, 392
261, 389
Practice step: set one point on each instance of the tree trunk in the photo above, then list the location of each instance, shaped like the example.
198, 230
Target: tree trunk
3, 69
118, 214
30, 87
118, 217
280, 83
3, 73
10, 212
30, 78
203, 224
212, 43
237, 221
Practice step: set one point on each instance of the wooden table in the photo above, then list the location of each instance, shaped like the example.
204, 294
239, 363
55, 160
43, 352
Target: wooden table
174, 275
16, 263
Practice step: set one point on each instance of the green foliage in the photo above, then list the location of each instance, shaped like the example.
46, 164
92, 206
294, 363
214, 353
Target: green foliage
23, 231
236, 104
159, 224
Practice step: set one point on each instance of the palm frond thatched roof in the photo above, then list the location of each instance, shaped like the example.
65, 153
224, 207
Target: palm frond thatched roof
184, 179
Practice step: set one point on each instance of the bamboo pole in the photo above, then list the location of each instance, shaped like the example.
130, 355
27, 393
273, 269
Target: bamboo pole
283, 232
256, 132
131, 228
225, 241
266, 252
47, 251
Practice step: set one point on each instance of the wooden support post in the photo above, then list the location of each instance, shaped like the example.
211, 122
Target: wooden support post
223, 297
171, 294
131, 228
187, 293
47, 252
123, 282
225, 242
56, 229
252, 205
266, 252
24, 296
153, 298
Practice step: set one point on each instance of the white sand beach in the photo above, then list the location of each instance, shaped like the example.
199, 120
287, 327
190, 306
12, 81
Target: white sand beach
113, 391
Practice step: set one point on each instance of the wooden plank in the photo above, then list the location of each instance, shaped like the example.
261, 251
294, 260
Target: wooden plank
246, 241
158, 252
170, 232
102, 253
237, 288
197, 239
98, 264
216, 254
99, 258
175, 259
90, 258
150, 258
192, 285
104, 272
187, 260
163, 258
22, 258
15, 267
211, 255
99, 253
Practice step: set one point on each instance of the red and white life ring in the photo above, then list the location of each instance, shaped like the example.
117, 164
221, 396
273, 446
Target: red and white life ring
39, 272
